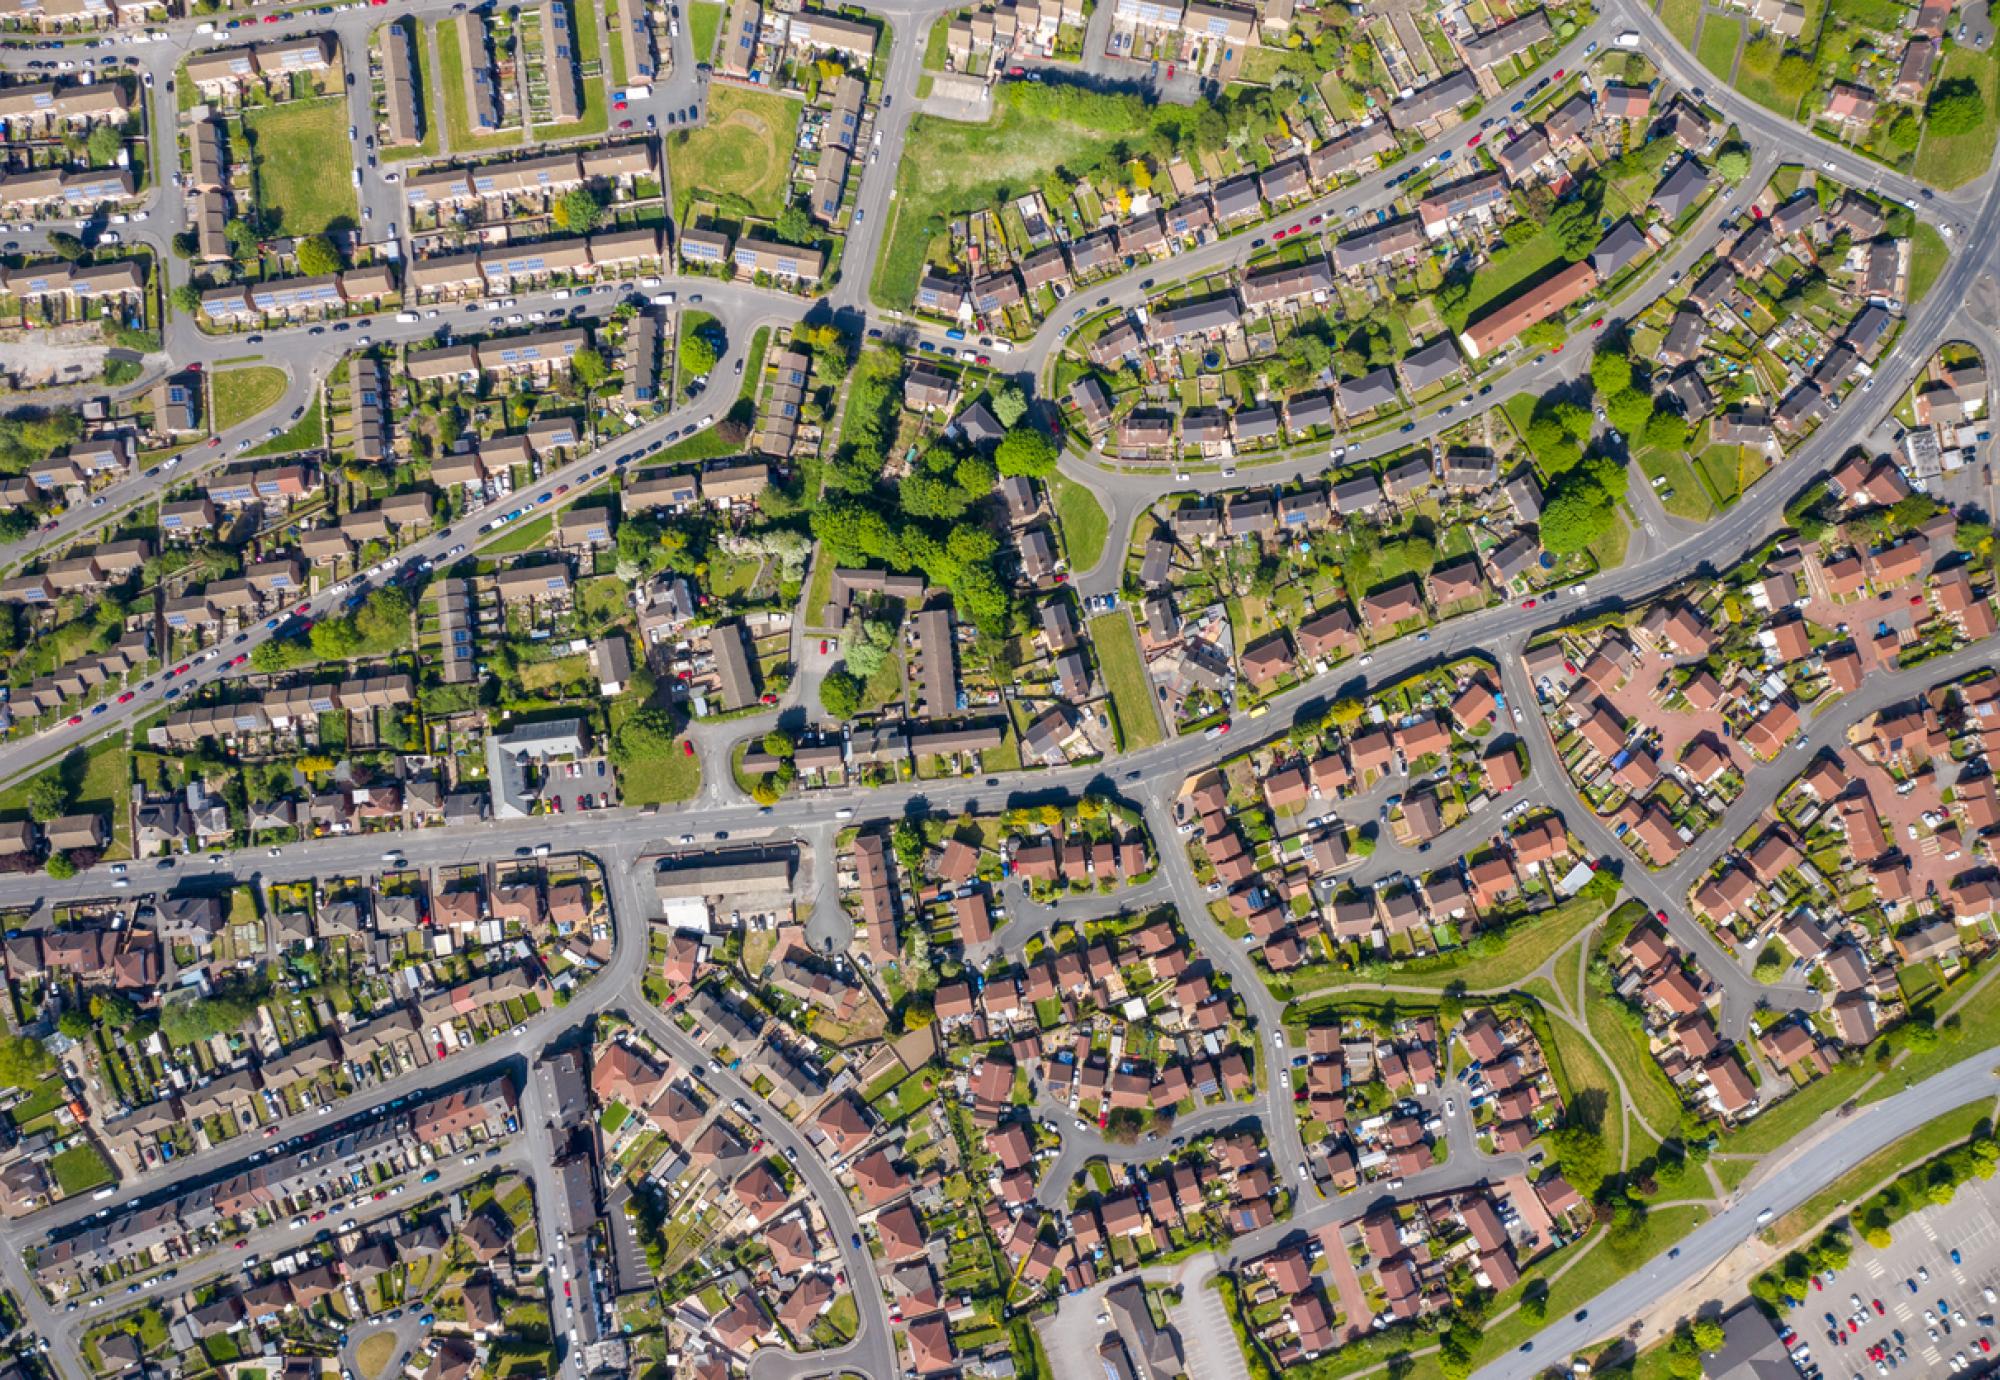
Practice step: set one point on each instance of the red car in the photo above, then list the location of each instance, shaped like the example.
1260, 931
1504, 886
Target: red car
1293, 231
1315, 220
1473, 142
1555, 349
624, 124
1279, 235
823, 646
561, 489
182, 669
440, 1045
1879, 1309
240, 659
241, 1244
1660, 916
1530, 603
126, 698
1597, 324
687, 748
300, 611
1985, 1345
1558, 76
75, 719
618, 105
214, 441
1170, 71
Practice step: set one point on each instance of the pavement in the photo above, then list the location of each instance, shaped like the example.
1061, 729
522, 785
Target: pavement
1668, 552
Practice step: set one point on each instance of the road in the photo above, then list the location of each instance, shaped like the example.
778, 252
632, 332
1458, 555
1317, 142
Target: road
621, 838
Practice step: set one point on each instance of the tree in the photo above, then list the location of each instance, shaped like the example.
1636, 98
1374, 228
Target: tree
187, 298
1628, 409
1733, 163
48, 798
1666, 430
840, 693
1577, 513
75, 1024
1009, 404
1708, 1334
242, 239
1956, 106
66, 246
697, 352
103, 145
589, 367
793, 226
316, 255
1026, 452
779, 743
577, 211
1346, 713
1610, 372
1574, 228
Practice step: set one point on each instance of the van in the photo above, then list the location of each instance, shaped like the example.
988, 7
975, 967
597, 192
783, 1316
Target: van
104, 1193
1628, 39
406, 317
843, 814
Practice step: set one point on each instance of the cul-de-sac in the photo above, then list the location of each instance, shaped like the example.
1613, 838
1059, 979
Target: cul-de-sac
999, 690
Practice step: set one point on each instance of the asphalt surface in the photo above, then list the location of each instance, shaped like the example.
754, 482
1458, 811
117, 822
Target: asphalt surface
622, 838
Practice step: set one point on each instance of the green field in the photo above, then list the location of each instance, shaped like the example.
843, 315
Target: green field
1928, 255
457, 122
1757, 76
704, 23
1690, 498
304, 434
1681, 17
237, 395
80, 1169
522, 536
740, 158
658, 780
1085, 524
1125, 676
100, 782
303, 165
375, 1353
1954, 160
1720, 36
952, 167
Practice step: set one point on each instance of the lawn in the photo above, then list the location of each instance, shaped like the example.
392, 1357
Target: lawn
1511, 266
1608, 1262
304, 434
1653, 1097
80, 1169
1952, 160
1580, 1074
1690, 496
1125, 676
704, 23
100, 783
302, 165
237, 395
952, 167
372, 1357
1681, 17
523, 536
1084, 523
1928, 254
1940, 1134
1757, 77
1720, 35
457, 122
660, 780
740, 157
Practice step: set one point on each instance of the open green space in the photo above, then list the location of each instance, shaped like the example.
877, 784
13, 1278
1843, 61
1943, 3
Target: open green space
237, 395
660, 779
1085, 524
1763, 76
301, 161
522, 536
372, 1357
1928, 256
1681, 17
1720, 36
1952, 160
740, 159
1117, 648
704, 23
951, 167
304, 434
99, 781
457, 122
80, 1169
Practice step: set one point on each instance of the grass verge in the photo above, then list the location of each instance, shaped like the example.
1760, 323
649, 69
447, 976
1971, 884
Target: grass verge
1125, 677
237, 395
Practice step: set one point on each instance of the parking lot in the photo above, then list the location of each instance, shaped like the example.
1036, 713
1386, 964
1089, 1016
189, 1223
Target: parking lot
588, 784
1961, 1315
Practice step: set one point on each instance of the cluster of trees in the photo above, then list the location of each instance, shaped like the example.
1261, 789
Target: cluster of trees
1931, 1183
1956, 106
30, 436
577, 211
113, 1010
23, 1061
1788, 1283
316, 255
1691, 1341
646, 546
187, 1017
